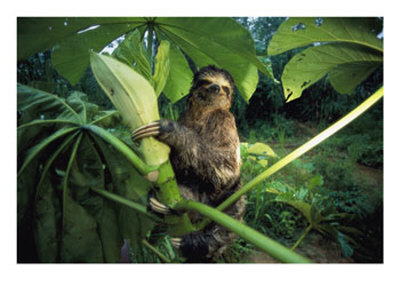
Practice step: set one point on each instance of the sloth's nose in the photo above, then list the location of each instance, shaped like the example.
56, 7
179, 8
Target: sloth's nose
214, 88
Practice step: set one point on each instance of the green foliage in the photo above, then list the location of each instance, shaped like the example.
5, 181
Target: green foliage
231, 47
63, 159
349, 55
314, 193
71, 222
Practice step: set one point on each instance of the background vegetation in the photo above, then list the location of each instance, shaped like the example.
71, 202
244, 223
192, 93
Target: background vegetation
328, 205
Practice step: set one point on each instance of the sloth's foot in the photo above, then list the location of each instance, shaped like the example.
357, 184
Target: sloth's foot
159, 207
176, 242
162, 209
151, 129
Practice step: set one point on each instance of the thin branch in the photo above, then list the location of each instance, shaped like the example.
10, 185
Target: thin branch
124, 201
127, 152
155, 251
66, 178
308, 229
261, 241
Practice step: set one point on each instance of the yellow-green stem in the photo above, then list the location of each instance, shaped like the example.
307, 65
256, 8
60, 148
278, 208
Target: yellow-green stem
308, 229
155, 251
265, 243
142, 167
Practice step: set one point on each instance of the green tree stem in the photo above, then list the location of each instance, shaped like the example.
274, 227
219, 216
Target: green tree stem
66, 177
266, 244
124, 201
142, 167
155, 251
47, 121
305, 233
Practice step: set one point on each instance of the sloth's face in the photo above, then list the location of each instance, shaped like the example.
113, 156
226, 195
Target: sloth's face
214, 90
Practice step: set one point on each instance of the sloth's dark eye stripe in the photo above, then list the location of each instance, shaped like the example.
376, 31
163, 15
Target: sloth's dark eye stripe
226, 89
203, 82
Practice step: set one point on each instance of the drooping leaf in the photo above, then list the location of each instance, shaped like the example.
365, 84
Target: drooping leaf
35, 150
347, 249
315, 182
107, 119
303, 207
46, 222
71, 56
80, 239
78, 101
277, 187
262, 162
259, 148
36, 104
345, 77
310, 65
230, 47
298, 32
127, 182
161, 67
39, 34
26, 186
65, 188
51, 160
180, 75
88, 172
132, 52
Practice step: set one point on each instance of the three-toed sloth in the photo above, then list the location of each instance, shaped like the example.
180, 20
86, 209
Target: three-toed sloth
205, 155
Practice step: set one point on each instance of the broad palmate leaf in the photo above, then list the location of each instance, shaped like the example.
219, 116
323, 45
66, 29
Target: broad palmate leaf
219, 41
347, 49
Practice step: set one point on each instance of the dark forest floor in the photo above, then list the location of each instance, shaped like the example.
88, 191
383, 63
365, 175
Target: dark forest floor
314, 247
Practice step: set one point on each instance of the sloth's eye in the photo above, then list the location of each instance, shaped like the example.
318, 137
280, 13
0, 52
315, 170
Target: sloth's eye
226, 89
203, 82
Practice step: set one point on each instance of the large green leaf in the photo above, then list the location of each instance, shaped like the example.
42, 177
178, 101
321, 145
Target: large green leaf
34, 104
39, 34
51, 160
35, 150
345, 77
219, 41
310, 65
290, 199
350, 52
298, 32
46, 219
161, 67
127, 182
132, 52
87, 172
91, 224
71, 56
80, 240
26, 186
180, 75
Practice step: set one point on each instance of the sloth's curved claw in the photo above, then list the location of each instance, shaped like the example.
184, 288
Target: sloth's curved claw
151, 129
176, 242
158, 207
